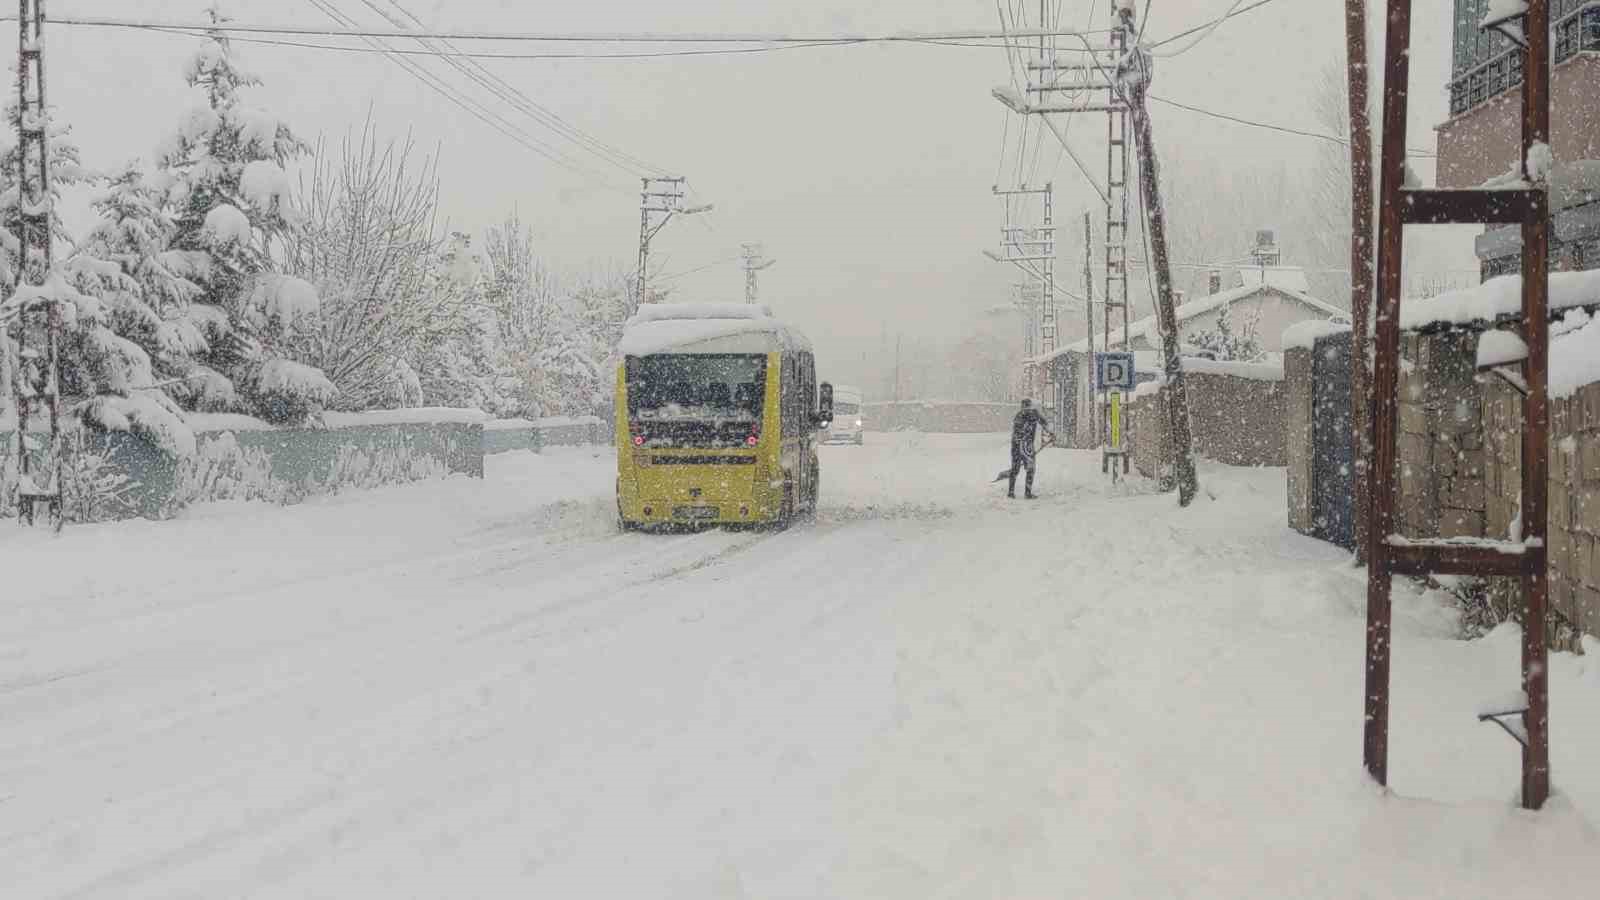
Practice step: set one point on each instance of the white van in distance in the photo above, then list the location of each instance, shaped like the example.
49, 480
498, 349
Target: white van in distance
846, 427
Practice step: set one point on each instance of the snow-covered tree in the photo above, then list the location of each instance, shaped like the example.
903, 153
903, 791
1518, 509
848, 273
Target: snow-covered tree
106, 378
370, 246
468, 366
1226, 343
222, 172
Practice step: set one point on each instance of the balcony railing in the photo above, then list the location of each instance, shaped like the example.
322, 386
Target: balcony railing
1576, 30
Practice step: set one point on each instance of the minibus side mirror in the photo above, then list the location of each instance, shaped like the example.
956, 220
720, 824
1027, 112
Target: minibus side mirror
824, 405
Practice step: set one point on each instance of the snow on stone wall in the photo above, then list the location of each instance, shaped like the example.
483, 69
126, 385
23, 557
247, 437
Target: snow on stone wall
1236, 417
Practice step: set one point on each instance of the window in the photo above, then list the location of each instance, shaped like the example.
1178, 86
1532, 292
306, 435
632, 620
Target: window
1486, 63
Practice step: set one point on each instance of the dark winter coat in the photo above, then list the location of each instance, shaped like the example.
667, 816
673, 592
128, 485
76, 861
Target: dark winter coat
1024, 428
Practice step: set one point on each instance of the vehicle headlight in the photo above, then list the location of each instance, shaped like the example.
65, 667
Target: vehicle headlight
858, 423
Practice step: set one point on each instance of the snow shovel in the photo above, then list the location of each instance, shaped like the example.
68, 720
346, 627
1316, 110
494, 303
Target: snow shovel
1049, 441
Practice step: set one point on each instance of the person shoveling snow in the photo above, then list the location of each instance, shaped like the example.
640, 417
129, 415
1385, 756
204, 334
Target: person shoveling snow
1024, 429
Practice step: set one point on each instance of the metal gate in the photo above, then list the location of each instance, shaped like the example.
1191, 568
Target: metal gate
1332, 454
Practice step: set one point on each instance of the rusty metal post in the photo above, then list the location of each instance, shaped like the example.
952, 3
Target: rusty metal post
1536, 417
1385, 378
1355, 24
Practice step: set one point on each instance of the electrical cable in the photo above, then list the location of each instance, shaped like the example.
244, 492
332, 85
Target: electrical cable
354, 31
1283, 128
476, 109
1207, 26
547, 117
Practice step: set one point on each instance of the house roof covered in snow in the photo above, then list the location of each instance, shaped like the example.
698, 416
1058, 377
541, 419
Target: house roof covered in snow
708, 328
1146, 327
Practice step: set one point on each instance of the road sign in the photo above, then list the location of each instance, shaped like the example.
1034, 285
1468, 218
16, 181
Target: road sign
1113, 371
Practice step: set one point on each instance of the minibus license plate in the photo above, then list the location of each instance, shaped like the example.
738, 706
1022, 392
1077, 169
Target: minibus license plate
694, 512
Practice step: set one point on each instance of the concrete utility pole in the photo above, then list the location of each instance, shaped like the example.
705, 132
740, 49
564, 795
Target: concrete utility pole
1134, 77
753, 262
660, 197
1361, 274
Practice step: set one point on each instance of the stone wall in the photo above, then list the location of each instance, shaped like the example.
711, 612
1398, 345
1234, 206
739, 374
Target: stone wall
1440, 445
1145, 424
1460, 465
1239, 420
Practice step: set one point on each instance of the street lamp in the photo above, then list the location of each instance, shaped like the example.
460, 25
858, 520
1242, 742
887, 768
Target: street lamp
1013, 99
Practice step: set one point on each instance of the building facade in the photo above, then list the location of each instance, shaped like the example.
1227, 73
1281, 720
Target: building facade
1482, 138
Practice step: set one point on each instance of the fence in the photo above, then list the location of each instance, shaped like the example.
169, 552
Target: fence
939, 416
117, 474
503, 435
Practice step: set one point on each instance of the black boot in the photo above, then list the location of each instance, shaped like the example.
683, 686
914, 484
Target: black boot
1011, 486
1027, 488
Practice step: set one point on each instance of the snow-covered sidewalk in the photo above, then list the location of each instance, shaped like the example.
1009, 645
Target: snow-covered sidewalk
478, 689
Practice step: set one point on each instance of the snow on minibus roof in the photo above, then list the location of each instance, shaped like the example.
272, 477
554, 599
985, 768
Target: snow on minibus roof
707, 328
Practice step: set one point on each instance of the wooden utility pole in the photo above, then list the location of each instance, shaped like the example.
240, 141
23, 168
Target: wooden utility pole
1134, 75
1355, 26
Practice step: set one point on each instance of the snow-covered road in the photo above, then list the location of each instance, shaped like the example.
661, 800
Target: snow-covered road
478, 689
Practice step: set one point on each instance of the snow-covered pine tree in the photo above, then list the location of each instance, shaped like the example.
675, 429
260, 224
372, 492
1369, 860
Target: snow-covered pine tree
106, 379
222, 172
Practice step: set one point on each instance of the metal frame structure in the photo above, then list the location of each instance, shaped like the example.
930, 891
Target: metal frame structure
753, 260
663, 196
1116, 248
36, 378
1025, 245
1388, 554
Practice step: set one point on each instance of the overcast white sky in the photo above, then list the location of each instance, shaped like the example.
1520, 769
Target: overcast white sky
865, 170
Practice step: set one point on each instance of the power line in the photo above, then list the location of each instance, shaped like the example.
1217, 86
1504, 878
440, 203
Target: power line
522, 102
1270, 127
352, 30
1208, 31
721, 261
186, 31
473, 107
1207, 26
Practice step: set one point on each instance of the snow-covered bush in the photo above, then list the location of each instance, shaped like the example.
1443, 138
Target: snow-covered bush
93, 487
1223, 343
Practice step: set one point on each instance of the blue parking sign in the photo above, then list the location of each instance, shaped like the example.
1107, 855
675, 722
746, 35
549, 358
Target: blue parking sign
1113, 371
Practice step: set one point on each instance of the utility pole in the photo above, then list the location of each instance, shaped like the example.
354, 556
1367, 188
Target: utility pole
897, 339
659, 197
1056, 88
1033, 247
1361, 274
754, 262
1134, 77
35, 314
1088, 311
